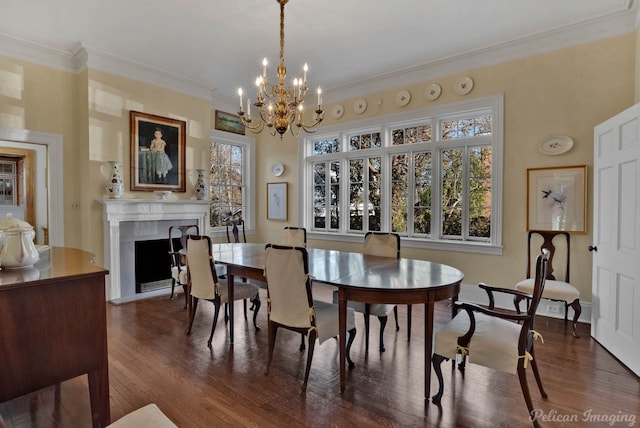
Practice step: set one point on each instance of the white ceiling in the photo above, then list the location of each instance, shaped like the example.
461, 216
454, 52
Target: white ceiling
221, 43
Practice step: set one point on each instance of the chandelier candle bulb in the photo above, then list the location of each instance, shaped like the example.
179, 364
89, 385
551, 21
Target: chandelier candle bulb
240, 94
264, 68
248, 108
305, 69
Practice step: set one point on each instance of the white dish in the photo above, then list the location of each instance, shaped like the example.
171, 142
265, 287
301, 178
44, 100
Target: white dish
432, 92
555, 144
360, 105
337, 111
277, 169
402, 98
463, 85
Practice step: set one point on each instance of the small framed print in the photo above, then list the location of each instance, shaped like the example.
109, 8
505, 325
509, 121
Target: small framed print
277, 201
228, 122
557, 199
158, 146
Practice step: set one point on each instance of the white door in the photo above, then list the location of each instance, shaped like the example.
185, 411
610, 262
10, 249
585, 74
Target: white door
615, 319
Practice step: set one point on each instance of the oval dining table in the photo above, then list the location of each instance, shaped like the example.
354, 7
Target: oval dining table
361, 278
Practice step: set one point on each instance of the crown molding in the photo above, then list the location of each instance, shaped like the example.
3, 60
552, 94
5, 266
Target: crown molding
81, 57
596, 29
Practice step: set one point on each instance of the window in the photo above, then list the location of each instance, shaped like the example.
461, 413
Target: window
8, 175
230, 179
434, 176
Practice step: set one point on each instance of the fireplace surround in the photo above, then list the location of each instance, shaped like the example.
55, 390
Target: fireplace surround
130, 220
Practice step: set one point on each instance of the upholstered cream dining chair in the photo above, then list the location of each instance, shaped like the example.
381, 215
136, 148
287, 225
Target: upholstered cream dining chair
291, 304
495, 338
205, 284
294, 236
384, 245
558, 287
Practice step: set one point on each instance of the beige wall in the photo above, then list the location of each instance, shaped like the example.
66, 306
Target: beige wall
567, 91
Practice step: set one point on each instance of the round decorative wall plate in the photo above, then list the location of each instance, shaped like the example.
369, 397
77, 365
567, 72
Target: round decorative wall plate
360, 105
555, 144
402, 98
463, 86
277, 169
432, 92
337, 111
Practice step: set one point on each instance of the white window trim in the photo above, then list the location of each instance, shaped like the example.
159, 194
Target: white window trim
494, 102
249, 195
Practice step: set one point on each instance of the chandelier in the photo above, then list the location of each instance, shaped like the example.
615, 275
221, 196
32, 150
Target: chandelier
280, 107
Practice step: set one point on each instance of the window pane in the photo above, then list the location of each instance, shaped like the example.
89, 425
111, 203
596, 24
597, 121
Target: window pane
226, 182
374, 193
467, 127
452, 192
365, 141
322, 147
411, 135
399, 186
356, 189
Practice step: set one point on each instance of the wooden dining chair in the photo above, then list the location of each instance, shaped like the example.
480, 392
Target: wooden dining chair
178, 241
495, 338
291, 305
385, 245
558, 287
205, 284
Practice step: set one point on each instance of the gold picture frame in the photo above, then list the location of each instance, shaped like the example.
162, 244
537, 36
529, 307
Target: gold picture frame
158, 146
228, 122
557, 199
277, 199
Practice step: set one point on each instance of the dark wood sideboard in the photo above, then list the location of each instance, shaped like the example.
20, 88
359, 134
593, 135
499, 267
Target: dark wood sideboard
53, 327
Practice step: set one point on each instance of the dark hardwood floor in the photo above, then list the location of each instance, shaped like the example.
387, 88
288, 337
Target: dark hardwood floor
151, 360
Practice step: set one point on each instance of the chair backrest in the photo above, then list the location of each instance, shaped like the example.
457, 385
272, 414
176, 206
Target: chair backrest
202, 274
382, 244
294, 236
288, 286
559, 246
543, 261
178, 240
235, 226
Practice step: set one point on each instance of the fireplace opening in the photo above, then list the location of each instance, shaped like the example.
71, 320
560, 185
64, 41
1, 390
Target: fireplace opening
152, 265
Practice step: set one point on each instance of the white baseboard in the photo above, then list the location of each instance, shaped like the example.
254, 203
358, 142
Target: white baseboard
473, 293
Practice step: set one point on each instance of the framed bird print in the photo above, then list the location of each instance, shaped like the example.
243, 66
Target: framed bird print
557, 198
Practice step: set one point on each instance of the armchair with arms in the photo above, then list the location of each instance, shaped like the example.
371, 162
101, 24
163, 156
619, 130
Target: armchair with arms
495, 338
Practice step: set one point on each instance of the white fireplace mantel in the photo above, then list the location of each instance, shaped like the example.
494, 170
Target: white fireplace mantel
116, 211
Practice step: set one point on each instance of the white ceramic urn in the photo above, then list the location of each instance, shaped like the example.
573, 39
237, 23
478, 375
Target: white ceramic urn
17, 249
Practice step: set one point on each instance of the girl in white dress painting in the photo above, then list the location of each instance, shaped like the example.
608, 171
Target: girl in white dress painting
162, 162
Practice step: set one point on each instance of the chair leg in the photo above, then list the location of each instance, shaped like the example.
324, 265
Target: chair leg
273, 330
577, 310
192, 315
408, 322
256, 305
522, 376
395, 315
352, 335
366, 331
312, 342
536, 374
302, 344
437, 362
226, 313
187, 292
215, 321
173, 286
383, 324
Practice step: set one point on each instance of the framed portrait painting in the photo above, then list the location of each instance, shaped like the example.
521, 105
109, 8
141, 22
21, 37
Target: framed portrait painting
277, 201
158, 146
557, 199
